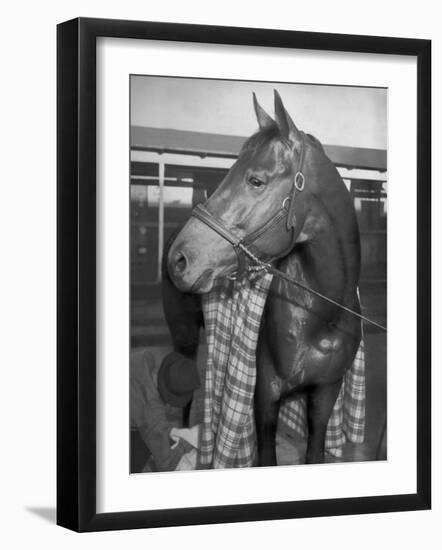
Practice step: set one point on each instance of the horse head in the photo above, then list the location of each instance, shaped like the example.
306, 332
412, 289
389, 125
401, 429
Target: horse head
262, 203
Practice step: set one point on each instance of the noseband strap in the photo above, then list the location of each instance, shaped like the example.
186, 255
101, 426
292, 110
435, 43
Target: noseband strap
201, 213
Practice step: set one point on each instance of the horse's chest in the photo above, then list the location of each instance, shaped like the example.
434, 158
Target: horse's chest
288, 322
303, 348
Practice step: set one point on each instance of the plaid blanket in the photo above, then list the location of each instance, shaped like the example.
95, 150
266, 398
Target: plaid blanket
232, 312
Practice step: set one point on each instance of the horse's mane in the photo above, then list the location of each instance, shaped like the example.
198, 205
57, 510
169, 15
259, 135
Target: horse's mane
315, 141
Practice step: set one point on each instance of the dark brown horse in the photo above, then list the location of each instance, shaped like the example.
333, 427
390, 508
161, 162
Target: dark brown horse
282, 202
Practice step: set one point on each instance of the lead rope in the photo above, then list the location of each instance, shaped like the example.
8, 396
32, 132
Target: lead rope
270, 269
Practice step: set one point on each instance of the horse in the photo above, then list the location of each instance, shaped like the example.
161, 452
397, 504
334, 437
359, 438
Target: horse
282, 204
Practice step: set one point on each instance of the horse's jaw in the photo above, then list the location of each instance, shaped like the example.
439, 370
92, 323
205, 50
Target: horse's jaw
204, 283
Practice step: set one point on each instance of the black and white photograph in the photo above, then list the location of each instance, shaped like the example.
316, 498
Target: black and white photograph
258, 273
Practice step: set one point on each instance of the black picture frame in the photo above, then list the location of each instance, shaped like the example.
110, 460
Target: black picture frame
76, 273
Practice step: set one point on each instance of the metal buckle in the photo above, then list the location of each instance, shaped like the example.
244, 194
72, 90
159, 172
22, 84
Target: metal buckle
284, 202
299, 176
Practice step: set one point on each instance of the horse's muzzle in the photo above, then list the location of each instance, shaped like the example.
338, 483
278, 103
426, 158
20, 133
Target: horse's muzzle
184, 277
198, 256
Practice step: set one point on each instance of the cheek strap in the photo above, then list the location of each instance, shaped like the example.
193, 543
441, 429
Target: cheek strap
298, 186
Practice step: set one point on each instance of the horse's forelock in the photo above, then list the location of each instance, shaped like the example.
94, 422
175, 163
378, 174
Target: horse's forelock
263, 137
271, 137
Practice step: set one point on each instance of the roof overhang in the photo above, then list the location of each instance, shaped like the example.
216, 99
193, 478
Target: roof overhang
165, 140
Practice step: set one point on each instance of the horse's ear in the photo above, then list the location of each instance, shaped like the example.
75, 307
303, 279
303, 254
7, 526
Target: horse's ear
285, 123
264, 120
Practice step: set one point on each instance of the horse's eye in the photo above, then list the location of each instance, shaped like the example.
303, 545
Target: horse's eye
255, 181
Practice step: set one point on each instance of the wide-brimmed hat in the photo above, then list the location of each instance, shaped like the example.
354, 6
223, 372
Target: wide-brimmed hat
178, 378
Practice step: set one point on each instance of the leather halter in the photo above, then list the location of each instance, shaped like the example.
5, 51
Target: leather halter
249, 244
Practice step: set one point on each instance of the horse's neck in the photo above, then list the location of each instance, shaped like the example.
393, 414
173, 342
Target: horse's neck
329, 253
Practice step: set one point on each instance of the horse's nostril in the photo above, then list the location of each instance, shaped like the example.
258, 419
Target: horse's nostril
180, 262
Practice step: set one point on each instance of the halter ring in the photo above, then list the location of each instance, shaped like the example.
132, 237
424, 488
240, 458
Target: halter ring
299, 176
284, 202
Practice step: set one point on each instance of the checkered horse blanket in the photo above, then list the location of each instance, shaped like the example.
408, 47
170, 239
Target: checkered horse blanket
232, 313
